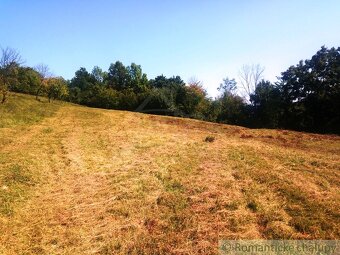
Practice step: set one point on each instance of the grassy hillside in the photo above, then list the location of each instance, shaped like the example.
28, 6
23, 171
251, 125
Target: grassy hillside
76, 180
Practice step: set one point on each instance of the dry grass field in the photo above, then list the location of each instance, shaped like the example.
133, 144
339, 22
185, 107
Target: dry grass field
77, 180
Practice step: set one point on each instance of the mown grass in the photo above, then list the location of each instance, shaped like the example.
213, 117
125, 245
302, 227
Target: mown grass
15, 183
22, 109
91, 181
19, 167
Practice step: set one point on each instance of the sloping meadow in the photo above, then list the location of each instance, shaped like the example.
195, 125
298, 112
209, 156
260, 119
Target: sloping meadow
75, 180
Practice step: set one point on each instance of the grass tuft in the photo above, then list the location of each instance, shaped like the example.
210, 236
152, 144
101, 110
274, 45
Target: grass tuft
209, 139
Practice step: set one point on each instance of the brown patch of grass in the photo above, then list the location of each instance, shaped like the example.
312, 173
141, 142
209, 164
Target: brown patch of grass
244, 136
209, 139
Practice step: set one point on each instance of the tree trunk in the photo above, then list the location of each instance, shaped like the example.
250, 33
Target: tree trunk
4, 96
37, 94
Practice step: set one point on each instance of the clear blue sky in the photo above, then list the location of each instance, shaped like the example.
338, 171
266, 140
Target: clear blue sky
208, 39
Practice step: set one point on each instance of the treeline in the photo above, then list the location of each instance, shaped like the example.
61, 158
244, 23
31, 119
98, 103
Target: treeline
306, 97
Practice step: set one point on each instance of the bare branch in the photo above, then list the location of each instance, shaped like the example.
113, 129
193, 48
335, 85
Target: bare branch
193, 81
250, 76
9, 57
43, 70
257, 72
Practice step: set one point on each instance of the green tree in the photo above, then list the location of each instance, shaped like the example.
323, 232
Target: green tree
228, 86
164, 96
231, 106
82, 79
194, 102
45, 74
159, 82
118, 77
56, 88
81, 87
104, 97
138, 80
98, 74
28, 81
233, 110
311, 93
266, 105
170, 93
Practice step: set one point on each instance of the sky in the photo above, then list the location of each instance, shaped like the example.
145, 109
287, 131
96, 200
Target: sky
205, 39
